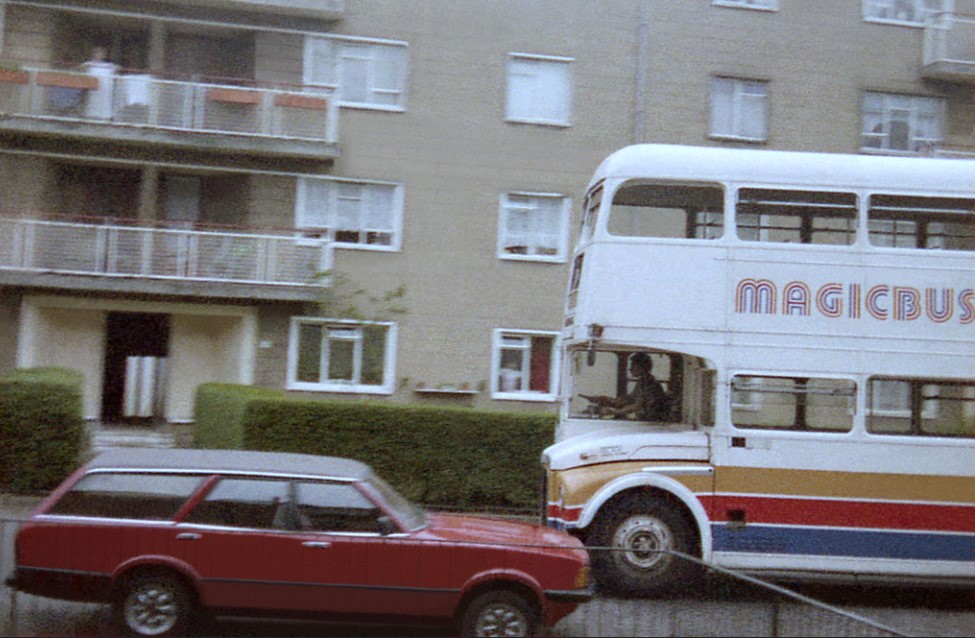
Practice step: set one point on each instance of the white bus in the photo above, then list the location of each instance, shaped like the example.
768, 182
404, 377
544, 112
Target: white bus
810, 321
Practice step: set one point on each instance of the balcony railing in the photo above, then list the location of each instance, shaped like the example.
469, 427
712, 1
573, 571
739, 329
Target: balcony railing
144, 100
122, 250
949, 48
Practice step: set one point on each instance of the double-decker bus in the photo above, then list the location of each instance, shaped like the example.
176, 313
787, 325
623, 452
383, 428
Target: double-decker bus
769, 363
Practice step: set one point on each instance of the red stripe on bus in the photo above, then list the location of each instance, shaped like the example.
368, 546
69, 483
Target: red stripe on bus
833, 513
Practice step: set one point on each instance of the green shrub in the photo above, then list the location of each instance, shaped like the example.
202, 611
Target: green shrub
446, 457
42, 429
220, 411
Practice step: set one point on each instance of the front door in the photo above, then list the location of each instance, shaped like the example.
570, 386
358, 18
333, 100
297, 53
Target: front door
134, 380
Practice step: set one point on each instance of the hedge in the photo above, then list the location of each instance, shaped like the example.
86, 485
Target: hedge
42, 428
445, 457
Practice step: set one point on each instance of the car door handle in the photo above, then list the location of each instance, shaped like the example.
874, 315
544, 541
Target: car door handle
317, 544
188, 536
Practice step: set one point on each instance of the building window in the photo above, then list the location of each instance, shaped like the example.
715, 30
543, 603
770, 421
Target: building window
769, 5
359, 214
364, 73
341, 356
901, 123
913, 12
525, 366
534, 227
739, 109
539, 90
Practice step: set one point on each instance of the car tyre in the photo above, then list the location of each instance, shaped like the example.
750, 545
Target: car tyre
153, 604
499, 613
636, 529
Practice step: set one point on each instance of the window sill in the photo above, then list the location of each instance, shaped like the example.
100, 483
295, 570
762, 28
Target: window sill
546, 123
534, 397
338, 389
737, 138
456, 391
544, 259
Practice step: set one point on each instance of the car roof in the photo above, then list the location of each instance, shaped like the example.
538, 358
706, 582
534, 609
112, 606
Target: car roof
236, 461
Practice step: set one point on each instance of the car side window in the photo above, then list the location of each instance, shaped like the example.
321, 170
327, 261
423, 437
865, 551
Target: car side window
336, 507
252, 503
127, 495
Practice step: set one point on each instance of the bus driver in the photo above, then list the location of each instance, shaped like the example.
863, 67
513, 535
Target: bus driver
648, 401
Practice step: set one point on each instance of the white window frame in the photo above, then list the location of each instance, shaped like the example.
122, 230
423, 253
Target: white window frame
752, 399
499, 344
534, 202
885, 11
884, 109
306, 221
541, 109
760, 5
326, 60
742, 97
351, 386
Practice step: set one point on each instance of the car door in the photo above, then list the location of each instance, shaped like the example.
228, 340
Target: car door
239, 543
363, 561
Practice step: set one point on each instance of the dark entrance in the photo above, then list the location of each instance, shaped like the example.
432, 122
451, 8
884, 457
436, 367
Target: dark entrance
135, 365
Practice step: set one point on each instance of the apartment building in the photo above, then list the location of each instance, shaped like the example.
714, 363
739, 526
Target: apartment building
183, 184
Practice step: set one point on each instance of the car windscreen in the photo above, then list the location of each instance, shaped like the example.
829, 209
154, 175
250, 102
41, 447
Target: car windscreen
410, 514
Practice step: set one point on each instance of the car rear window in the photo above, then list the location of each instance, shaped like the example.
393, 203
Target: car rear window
127, 495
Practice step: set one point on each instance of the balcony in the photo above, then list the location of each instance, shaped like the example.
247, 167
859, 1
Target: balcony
140, 108
119, 256
322, 9
949, 48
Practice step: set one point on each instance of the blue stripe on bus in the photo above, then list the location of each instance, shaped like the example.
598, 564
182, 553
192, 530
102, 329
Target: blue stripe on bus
819, 541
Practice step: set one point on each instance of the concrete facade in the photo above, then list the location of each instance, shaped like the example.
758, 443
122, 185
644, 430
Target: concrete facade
640, 70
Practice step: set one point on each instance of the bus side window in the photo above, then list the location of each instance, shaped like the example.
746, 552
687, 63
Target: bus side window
793, 403
797, 217
943, 223
642, 209
921, 407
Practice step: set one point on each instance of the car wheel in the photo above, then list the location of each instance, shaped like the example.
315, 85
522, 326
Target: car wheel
639, 532
153, 604
499, 613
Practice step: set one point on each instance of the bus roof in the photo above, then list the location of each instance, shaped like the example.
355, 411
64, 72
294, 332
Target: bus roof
666, 162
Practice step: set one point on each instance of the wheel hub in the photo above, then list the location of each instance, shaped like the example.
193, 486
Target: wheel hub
501, 620
151, 610
645, 538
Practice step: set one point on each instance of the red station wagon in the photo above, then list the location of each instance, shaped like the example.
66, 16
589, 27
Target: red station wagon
166, 534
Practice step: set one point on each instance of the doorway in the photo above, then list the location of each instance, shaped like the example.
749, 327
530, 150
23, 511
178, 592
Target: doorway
134, 383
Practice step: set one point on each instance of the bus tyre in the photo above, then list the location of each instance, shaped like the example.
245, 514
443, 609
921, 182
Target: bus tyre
633, 531
499, 612
153, 603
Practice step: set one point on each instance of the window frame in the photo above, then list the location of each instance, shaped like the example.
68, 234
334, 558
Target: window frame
948, 6
505, 209
918, 145
333, 74
563, 119
355, 386
309, 228
737, 108
498, 345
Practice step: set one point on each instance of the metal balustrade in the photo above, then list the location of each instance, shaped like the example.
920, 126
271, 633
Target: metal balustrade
144, 100
949, 47
119, 250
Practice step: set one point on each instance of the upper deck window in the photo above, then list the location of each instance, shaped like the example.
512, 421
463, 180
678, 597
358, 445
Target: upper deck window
900, 221
642, 209
800, 217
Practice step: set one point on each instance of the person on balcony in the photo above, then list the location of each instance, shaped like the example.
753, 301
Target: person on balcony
99, 104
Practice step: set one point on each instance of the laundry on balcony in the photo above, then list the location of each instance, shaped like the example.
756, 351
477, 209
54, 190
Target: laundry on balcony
63, 98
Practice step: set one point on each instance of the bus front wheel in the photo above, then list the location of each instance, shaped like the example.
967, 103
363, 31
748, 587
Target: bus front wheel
630, 547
